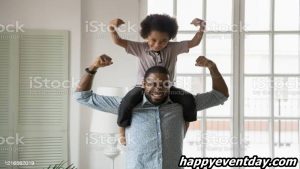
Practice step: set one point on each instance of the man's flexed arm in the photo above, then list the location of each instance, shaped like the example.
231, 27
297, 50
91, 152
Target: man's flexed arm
218, 82
86, 81
113, 25
86, 96
219, 94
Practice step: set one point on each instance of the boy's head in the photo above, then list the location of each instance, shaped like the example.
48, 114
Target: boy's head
158, 30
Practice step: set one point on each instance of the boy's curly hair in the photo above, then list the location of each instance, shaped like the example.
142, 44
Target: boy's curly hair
161, 23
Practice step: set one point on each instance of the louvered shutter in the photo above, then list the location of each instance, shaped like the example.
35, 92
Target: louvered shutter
41, 117
5, 112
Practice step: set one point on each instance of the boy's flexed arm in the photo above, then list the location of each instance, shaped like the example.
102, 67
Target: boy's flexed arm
198, 36
115, 23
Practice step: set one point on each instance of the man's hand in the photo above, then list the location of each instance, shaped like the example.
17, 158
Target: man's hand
204, 62
218, 82
199, 22
86, 81
101, 61
115, 23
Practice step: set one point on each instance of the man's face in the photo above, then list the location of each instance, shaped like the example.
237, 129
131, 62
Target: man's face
157, 88
157, 40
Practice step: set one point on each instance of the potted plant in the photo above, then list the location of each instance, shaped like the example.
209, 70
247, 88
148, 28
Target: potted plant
61, 165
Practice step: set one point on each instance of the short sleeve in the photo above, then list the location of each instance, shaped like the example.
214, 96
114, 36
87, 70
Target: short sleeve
181, 47
135, 48
209, 99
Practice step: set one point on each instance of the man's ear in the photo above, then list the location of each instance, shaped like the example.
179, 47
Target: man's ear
143, 84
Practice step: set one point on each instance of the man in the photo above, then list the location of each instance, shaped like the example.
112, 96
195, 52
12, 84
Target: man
157, 128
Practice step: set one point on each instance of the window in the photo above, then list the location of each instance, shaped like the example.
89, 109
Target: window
257, 50
270, 77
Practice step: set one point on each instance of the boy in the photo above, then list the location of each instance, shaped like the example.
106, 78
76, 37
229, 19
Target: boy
157, 30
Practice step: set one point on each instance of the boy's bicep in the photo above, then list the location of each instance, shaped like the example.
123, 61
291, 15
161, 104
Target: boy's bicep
108, 104
122, 43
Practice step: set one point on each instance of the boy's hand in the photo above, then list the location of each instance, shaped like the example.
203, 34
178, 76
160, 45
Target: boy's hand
101, 61
199, 22
204, 62
115, 23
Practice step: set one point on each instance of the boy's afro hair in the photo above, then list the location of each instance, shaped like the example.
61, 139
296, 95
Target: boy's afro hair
161, 23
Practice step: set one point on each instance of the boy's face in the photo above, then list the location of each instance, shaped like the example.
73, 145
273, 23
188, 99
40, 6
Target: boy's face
157, 40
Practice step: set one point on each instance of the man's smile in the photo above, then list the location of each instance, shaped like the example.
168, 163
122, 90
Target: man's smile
157, 95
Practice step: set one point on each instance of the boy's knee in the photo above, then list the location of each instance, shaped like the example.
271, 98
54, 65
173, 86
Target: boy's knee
188, 99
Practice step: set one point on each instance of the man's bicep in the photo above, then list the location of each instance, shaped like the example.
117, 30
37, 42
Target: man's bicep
209, 99
108, 104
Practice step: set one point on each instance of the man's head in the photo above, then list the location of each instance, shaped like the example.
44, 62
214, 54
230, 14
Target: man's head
158, 30
157, 84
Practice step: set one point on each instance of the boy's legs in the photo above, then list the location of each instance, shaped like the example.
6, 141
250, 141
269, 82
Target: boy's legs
132, 98
187, 101
122, 135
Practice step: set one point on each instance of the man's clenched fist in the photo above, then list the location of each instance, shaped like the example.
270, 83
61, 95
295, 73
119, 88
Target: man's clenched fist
102, 61
204, 62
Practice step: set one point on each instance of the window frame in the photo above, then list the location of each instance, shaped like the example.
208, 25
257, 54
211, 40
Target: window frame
238, 75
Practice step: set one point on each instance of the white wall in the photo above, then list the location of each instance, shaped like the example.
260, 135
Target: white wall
84, 46
121, 74
95, 43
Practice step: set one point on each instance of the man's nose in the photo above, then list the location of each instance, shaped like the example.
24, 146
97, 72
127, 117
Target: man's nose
159, 86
